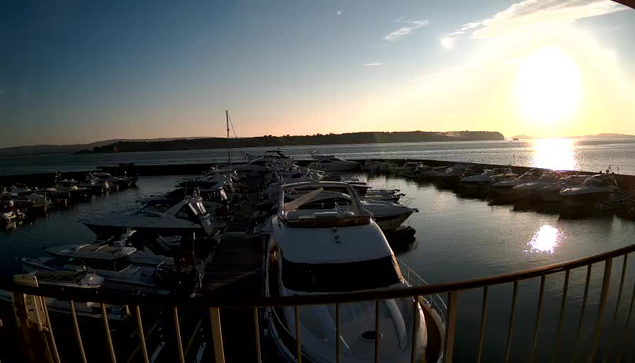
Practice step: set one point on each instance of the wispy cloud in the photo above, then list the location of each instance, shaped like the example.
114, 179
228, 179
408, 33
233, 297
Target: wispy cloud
373, 64
403, 31
530, 12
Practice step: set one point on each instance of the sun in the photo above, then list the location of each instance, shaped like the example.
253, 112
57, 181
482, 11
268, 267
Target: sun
447, 42
548, 86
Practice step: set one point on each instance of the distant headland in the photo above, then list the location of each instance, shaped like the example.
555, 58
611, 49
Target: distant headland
289, 140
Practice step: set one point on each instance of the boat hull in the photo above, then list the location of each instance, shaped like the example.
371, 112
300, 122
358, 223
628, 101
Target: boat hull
109, 231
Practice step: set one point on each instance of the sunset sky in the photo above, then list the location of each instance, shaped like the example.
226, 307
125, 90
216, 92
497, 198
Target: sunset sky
83, 71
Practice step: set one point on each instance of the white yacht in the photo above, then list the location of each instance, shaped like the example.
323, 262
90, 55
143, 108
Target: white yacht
551, 192
112, 262
332, 163
595, 189
158, 217
318, 248
488, 177
532, 190
388, 216
506, 187
67, 280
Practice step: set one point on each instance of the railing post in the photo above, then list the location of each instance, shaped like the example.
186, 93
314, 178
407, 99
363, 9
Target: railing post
298, 338
415, 324
56, 353
78, 335
377, 331
563, 310
541, 295
450, 329
111, 348
582, 311
142, 339
512, 320
483, 320
177, 332
608, 264
338, 346
628, 322
217, 335
617, 306
257, 329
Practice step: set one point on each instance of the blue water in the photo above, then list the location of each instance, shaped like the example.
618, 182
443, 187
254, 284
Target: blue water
456, 239
566, 154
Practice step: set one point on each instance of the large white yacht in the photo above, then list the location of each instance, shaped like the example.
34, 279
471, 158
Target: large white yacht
317, 248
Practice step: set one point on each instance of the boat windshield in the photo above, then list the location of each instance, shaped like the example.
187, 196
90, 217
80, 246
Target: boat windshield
160, 205
343, 276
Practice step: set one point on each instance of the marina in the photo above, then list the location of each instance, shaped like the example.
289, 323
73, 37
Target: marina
441, 237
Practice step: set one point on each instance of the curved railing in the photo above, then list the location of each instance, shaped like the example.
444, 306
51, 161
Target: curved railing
453, 291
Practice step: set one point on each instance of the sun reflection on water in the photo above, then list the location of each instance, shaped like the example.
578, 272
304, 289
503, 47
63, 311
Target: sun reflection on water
545, 240
555, 154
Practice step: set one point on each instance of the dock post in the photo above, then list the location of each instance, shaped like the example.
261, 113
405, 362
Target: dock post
217, 335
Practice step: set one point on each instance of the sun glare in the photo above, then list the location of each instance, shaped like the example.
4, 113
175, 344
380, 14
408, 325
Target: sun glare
548, 86
545, 240
447, 43
554, 154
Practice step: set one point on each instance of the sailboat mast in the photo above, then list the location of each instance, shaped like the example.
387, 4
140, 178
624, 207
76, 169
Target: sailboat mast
228, 144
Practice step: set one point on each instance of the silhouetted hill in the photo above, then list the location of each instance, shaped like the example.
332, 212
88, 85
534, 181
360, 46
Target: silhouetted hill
288, 140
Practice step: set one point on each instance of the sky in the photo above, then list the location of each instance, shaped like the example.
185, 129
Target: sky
84, 71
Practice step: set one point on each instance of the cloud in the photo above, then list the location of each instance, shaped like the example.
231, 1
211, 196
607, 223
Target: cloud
373, 64
402, 32
531, 12
338, 13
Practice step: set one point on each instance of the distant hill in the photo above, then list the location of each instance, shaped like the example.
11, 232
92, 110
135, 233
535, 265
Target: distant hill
65, 149
288, 140
610, 136
51, 149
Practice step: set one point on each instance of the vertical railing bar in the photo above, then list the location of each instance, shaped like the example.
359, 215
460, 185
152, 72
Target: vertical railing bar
628, 322
298, 339
111, 348
541, 295
142, 338
377, 332
582, 311
563, 312
78, 334
608, 264
481, 338
257, 328
453, 300
512, 320
415, 325
337, 333
217, 335
617, 306
50, 328
177, 332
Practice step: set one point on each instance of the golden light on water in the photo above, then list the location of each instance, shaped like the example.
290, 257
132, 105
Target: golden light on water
555, 154
548, 86
545, 240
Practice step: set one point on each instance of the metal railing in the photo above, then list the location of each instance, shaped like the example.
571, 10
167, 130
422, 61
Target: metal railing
216, 303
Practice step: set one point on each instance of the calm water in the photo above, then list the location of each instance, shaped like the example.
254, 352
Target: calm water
565, 154
456, 239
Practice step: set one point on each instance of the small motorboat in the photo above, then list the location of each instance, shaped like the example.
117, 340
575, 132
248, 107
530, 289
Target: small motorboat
505, 188
532, 191
489, 176
158, 217
389, 216
596, 189
332, 163
67, 280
